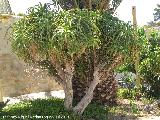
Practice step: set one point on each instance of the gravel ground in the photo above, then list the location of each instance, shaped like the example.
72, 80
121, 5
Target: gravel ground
133, 118
60, 94
149, 118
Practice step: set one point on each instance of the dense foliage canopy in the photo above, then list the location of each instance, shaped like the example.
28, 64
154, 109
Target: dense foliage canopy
67, 34
150, 65
149, 41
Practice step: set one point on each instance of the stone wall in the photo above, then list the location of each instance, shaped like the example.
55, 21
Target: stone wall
17, 78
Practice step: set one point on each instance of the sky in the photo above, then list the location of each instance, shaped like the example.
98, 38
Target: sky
144, 8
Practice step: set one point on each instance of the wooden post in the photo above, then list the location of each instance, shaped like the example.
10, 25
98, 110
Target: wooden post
136, 51
134, 16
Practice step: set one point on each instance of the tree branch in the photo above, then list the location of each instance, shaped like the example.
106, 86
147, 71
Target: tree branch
65, 75
88, 4
57, 66
103, 5
80, 107
69, 69
115, 4
59, 79
116, 62
75, 4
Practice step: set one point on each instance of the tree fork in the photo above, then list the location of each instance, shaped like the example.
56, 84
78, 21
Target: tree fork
79, 109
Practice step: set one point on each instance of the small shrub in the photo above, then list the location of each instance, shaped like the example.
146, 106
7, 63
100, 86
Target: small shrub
96, 111
134, 107
126, 93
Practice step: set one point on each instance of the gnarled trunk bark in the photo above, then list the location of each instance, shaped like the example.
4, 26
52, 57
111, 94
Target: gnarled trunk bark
68, 90
79, 109
68, 96
97, 75
68, 85
64, 76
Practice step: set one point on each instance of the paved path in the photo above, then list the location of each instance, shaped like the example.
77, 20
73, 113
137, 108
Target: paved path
33, 96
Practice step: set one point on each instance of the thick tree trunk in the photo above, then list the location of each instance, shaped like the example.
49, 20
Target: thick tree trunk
68, 97
68, 90
97, 75
68, 85
104, 93
79, 109
64, 76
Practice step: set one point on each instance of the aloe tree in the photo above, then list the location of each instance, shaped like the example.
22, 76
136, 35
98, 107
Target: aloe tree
84, 68
56, 39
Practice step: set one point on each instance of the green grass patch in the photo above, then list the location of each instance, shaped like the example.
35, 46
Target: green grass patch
125, 93
52, 109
